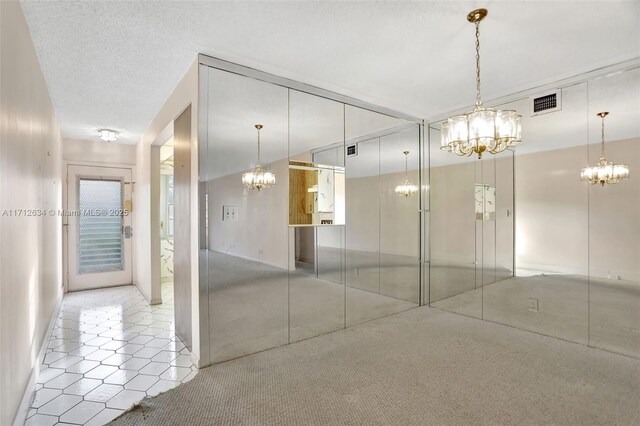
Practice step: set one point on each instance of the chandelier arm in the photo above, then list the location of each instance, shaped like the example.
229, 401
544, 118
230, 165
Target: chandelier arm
465, 150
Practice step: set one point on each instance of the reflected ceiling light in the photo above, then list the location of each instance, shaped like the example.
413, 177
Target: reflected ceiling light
483, 129
108, 135
406, 189
258, 178
605, 171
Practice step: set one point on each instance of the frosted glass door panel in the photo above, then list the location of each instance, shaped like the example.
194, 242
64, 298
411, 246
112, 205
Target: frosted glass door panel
100, 227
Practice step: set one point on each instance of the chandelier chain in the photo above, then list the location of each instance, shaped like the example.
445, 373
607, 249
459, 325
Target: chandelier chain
258, 146
602, 134
478, 99
406, 162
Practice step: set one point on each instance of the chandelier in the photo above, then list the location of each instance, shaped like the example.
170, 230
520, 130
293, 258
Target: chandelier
258, 178
483, 129
605, 171
108, 135
406, 189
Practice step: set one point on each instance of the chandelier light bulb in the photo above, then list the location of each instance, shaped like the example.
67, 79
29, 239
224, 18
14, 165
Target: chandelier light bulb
482, 129
604, 172
406, 189
258, 178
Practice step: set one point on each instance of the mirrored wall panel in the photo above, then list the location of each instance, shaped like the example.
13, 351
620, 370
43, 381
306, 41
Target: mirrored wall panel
311, 214
458, 196
614, 215
382, 215
541, 247
248, 256
317, 215
549, 293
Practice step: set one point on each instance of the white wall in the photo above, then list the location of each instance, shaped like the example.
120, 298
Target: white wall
87, 151
94, 153
30, 178
146, 201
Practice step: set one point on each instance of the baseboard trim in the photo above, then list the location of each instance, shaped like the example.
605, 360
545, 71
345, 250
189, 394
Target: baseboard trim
196, 360
25, 403
156, 301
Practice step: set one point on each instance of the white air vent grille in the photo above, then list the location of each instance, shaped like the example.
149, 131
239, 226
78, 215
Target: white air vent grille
352, 150
549, 102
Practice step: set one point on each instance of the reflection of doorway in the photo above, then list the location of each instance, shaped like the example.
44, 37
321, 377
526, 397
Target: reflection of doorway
166, 214
99, 253
170, 221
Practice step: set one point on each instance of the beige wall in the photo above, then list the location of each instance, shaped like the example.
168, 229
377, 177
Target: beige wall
30, 178
380, 220
453, 226
261, 230
146, 201
560, 218
88, 151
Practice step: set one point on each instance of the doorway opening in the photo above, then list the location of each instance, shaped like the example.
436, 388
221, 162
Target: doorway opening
166, 219
99, 248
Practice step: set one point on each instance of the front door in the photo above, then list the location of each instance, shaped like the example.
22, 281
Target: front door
99, 239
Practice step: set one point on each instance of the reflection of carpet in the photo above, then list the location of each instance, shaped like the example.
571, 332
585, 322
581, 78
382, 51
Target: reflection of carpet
451, 280
254, 306
420, 367
613, 322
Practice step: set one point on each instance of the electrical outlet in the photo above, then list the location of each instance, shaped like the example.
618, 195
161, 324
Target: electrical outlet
533, 305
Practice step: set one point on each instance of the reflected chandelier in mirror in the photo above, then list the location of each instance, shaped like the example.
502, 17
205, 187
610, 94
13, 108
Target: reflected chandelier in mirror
605, 172
406, 189
258, 178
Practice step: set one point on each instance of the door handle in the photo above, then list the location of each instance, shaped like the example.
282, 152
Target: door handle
127, 232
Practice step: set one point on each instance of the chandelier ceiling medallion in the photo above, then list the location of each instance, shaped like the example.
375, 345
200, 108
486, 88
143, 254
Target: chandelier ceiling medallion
605, 172
406, 189
482, 129
258, 178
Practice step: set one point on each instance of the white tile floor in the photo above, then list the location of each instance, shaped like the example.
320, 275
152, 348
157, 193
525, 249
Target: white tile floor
108, 350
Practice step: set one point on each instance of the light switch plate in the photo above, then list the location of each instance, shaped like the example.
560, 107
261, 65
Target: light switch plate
229, 213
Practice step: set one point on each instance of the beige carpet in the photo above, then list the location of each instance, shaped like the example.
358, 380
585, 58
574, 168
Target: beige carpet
419, 367
600, 312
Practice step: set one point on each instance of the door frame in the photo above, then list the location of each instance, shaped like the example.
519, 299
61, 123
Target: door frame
65, 219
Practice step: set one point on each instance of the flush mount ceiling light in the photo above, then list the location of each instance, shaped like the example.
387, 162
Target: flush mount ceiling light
483, 129
108, 135
258, 178
605, 172
406, 189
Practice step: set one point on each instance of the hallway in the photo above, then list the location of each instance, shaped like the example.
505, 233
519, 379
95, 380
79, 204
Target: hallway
108, 350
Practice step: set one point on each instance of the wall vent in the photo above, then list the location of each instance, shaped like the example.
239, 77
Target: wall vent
352, 150
549, 102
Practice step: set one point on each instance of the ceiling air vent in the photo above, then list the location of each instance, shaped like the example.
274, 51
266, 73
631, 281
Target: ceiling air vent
352, 150
544, 104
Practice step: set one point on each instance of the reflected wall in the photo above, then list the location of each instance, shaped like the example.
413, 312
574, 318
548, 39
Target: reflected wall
576, 246
332, 243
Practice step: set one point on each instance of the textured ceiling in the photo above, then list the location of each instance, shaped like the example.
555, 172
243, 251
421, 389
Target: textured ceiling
112, 64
